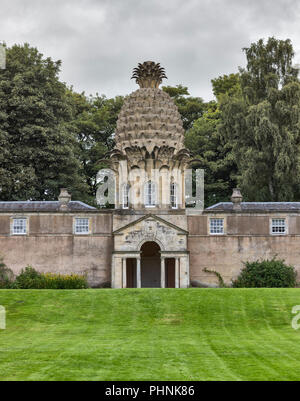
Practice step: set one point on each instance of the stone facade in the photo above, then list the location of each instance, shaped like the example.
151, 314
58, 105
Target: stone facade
247, 237
171, 239
51, 245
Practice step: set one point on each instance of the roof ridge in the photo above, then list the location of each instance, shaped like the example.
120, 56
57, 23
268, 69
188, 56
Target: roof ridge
256, 206
43, 206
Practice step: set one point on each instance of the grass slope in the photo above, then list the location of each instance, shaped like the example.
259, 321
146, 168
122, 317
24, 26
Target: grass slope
150, 334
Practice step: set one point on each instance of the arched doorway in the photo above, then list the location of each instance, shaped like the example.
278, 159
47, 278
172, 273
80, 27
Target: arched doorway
150, 265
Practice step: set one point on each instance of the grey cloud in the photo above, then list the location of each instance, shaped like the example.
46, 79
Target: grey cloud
100, 41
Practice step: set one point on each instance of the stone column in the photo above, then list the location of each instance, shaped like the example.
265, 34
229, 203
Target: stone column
162, 272
182, 192
116, 272
124, 273
138, 273
184, 272
177, 273
113, 271
164, 188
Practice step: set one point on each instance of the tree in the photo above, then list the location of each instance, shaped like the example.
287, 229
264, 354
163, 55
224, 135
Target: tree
269, 66
214, 155
38, 146
190, 108
95, 122
226, 85
262, 121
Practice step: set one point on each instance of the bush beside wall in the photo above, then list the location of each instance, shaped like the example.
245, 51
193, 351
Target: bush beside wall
6, 275
64, 282
29, 278
266, 273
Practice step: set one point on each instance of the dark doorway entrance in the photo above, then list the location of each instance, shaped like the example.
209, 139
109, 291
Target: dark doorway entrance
131, 273
150, 265
170, 272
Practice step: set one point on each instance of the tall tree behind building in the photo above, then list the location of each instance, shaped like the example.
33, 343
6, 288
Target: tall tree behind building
213, 151
262, 122
191, 108
39, 151
95, 123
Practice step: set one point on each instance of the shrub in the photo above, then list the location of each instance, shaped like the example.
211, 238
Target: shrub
6, 275
266, 273
64, 282
31, 279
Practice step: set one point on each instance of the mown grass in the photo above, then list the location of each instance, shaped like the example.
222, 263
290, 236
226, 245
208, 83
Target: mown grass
150, 334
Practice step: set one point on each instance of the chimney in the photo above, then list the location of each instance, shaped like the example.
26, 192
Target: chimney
64, 198
236, 199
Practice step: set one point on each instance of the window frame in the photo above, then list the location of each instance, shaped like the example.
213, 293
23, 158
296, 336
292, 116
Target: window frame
75, 226
285, 226
146, 194
210, 226
174, 187
13, 219
125, 195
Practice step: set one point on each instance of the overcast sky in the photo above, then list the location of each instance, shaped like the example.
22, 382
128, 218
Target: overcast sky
101, 41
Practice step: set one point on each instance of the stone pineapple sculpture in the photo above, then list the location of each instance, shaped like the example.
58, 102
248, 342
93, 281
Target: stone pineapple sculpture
149, 124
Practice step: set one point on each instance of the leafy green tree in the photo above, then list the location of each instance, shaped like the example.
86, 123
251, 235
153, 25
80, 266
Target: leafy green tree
269, 67
214, 155
190, 108
95, 121
105, 113
38, 146
262, 122
226, 85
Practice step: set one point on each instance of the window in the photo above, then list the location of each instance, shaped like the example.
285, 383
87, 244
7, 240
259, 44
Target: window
82, 226
125, 196
173, 195
19, 226
216, 226
278, 226
150, 194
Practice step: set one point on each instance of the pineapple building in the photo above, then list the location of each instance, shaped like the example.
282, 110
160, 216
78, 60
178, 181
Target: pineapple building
149, 239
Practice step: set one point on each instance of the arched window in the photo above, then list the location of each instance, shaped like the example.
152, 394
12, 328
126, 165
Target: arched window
173, 195
125, 196
150, 194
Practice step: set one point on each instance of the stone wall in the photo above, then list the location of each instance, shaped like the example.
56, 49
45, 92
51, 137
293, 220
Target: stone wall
247, 238
51, 246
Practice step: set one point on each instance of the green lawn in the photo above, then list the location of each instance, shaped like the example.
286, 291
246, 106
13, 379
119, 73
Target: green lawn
150, 334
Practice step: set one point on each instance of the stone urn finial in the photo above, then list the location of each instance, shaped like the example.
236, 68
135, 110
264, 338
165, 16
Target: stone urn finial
236, 199
64, 198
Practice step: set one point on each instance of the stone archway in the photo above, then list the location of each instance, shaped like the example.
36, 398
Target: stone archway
150, 265
154, 242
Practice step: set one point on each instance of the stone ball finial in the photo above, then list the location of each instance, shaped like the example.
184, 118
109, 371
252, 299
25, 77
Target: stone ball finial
149, 74
236, 199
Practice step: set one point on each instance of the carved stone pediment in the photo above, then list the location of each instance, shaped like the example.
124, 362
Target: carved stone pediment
150, 228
